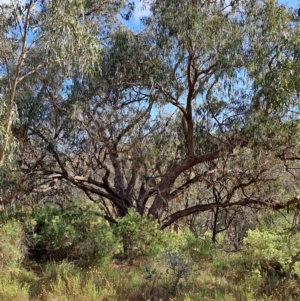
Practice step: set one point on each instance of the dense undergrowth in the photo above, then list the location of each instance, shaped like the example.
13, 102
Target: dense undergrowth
74, 254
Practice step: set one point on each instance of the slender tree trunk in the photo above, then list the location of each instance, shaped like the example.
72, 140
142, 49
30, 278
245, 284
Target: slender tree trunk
13, 84
215, 229
8, 122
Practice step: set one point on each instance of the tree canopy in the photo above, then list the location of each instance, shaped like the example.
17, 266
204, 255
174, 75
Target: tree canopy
196, 112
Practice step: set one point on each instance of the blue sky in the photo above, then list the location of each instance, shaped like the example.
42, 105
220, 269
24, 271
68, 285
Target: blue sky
289, 2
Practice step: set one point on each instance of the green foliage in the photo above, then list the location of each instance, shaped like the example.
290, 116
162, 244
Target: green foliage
197, 247
12, 290
181, 273
195, 109
11, 236
141, 236
73, 233
15, 281
272, 251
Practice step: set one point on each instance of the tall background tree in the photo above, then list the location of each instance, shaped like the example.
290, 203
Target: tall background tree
38, 34
35, 38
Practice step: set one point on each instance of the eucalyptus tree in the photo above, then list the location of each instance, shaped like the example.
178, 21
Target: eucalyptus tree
94, 133
198, 106
36, 34
219, 60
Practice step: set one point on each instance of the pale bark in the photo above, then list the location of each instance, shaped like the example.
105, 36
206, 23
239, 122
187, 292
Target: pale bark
13, 84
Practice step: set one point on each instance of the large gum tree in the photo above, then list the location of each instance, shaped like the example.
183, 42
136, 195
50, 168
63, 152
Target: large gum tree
195, 112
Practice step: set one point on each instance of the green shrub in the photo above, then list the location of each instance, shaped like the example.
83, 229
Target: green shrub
272, 251
141, 236
74, 233
197, 247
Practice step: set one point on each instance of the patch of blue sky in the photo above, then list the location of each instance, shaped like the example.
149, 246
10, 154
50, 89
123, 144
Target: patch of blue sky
290, 3
142, 9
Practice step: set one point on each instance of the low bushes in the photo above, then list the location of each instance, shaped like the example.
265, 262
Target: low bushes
79, 234
273, 251
75, 255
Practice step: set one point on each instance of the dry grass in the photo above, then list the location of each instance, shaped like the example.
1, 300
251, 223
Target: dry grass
65, 282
